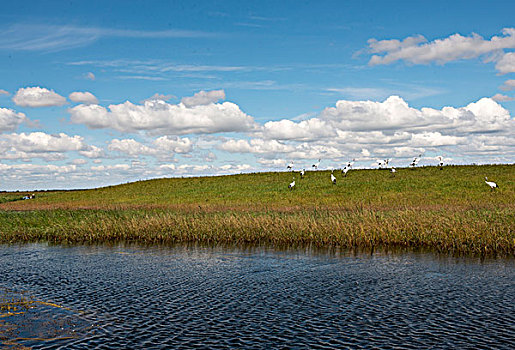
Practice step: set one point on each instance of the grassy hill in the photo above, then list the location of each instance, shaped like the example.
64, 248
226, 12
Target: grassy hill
447, 210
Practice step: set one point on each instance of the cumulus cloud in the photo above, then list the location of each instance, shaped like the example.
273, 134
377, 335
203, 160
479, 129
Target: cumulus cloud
130, 147
508, 85
160, 117
92, 152
42, 142
257, 146
395, 114
502, 98
311, 129
164, 147
204, 98
83, 97
506, 64
26, 146
167, 144
418, 50
9, 119
4, 92
38, 97
387, 129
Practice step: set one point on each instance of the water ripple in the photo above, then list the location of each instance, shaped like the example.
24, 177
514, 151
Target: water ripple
220, 298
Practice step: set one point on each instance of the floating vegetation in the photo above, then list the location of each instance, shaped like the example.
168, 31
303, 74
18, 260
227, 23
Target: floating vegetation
24, 321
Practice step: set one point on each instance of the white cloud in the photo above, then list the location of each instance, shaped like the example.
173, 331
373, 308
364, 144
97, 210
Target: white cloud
204, 98
388, 129
4, 92
79, 161
130, 147
164, 147
83, 97
38, 169
167, 144
311, 129
502, 98
395, 114
256, 146
38, 97
92, 152
506, 64
26, 146
167, 167
232, 168
159, 97
272, 163
160, 117
508, 85
124, 167
434, 139
90, 76
9, 119
417, 50
42, 142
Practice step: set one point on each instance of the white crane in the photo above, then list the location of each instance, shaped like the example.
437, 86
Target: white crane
492, 184
383, 164
345, 171
393, 171
416, 160
351, 163
302, 173
316, 165
440, 163
290, 166
333, 179
292, 184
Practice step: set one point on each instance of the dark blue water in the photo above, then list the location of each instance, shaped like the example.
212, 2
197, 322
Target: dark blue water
197, 297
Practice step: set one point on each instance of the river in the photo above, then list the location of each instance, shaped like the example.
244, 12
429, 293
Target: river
190, 296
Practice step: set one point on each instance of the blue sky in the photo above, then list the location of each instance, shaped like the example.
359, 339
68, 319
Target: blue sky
235, 86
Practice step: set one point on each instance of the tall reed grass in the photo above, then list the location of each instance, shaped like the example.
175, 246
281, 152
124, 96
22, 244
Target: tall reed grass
450, 211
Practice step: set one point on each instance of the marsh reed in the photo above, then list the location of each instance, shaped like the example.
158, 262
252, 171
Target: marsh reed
448, 211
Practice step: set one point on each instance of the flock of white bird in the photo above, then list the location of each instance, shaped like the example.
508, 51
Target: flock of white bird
382, 164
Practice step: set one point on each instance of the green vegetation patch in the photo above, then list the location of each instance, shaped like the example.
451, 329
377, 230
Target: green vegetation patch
446, 210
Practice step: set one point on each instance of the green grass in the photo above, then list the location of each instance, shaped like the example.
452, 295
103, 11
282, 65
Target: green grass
446, 210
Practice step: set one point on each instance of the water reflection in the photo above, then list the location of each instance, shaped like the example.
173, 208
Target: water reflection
193, 296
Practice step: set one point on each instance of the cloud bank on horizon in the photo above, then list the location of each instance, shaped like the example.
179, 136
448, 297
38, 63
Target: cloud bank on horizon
482, 131
88, 129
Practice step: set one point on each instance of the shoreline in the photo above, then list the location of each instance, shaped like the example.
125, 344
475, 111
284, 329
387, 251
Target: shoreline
475, 232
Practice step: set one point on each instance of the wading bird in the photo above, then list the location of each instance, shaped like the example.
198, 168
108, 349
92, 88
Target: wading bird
345, 171
492, 184
292, 184
440, 163
290, 166
393, 171
333, 179
383, 164
302, 173
415, 161
350, 164
316, 165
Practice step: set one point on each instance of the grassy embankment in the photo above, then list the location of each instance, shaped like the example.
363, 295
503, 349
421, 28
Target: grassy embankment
449, 210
